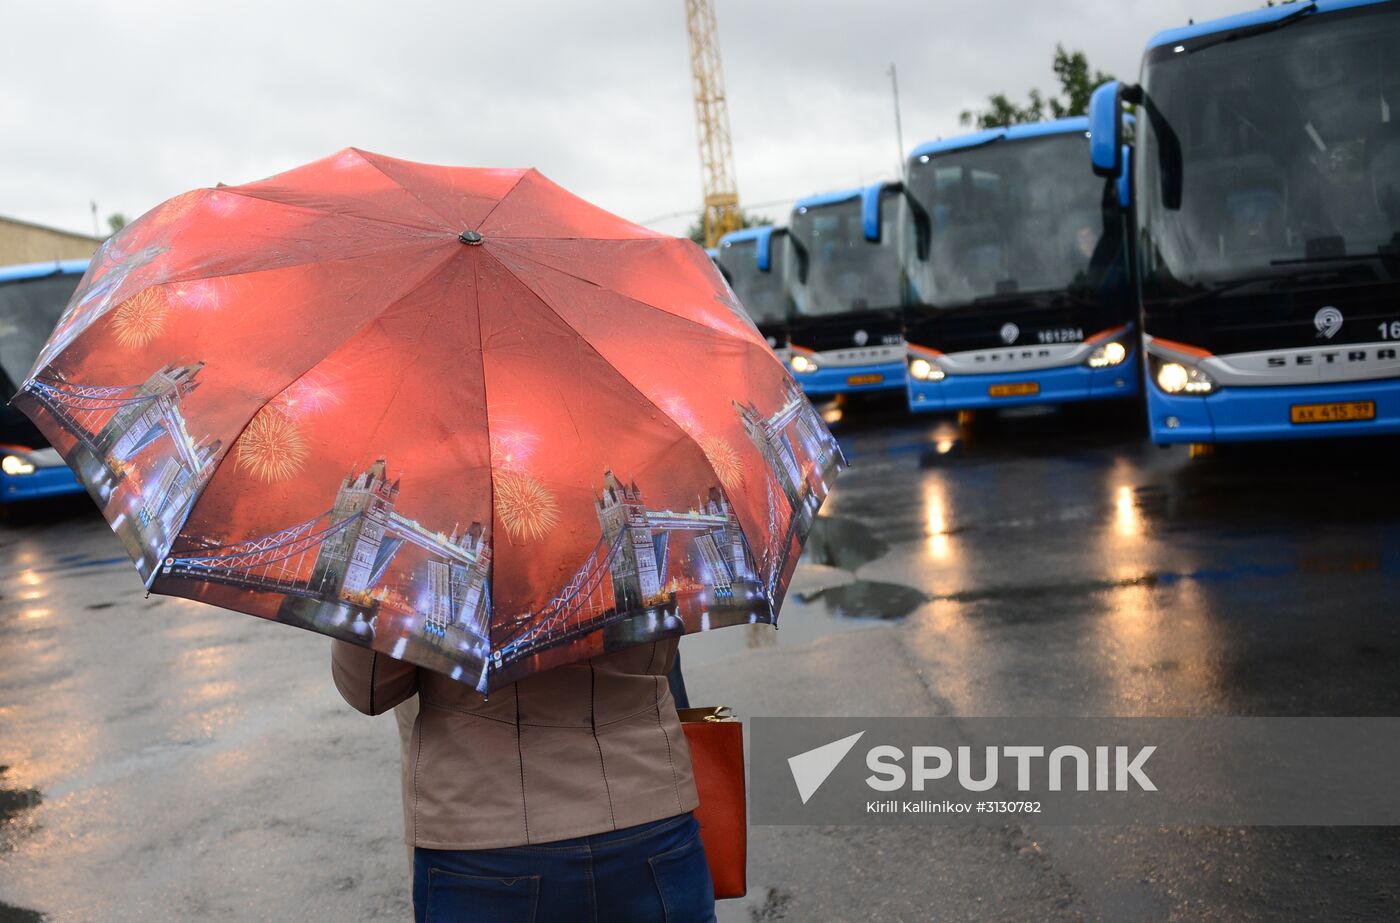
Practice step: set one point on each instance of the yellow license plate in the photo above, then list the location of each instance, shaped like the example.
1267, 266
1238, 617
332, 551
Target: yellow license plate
864, 379
1016, 389
1333, 413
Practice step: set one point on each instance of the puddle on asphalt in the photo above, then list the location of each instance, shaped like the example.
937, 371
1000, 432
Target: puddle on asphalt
10, 914
845, 543
15, 803
837, 541
868, 599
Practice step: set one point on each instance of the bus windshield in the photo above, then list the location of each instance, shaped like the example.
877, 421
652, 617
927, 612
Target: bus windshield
29, 309
1011, 217
761, 293
839, 270
1289, 150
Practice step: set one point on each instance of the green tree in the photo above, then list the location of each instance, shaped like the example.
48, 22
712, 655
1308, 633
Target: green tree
1077, 84
696, 231
116, 221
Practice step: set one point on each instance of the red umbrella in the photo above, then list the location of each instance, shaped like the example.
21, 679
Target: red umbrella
458, 415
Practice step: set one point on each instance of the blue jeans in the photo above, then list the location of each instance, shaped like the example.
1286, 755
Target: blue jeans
651, 873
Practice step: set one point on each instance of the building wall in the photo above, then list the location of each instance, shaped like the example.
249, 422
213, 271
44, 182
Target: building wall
22, 242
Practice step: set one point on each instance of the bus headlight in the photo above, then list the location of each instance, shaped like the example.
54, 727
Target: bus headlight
1176, 378
802, 364
924, 370
16, 465
1110, 353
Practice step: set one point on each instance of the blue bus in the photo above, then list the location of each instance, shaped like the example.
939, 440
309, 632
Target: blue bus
844, 289
753, 260
1267, 178
32, 298
1017, 260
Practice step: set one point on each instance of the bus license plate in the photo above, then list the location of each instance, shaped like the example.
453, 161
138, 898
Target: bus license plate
1343, 412
1016, 389
864, 379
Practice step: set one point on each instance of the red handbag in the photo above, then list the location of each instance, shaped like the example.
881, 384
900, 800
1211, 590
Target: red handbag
716, 741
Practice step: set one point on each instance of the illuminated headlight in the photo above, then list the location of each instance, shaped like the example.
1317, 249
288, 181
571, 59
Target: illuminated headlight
924, 370
16, 465
1175, 378
803, 364
1110, 353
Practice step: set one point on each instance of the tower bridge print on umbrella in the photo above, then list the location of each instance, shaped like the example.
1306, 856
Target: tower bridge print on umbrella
456, 415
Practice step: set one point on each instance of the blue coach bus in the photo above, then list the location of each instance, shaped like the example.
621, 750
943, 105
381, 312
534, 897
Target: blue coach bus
844, 289
1017, 259
32, 298
1268, 206
753, 260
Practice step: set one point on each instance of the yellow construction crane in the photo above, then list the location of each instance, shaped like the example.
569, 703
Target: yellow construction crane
712, 120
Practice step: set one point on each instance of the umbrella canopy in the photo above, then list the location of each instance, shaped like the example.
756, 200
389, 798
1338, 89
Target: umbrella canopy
460, 416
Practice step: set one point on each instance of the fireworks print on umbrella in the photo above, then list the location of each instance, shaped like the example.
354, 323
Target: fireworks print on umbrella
523, 504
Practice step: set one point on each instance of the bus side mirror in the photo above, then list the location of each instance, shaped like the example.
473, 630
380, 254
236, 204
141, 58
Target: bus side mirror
1106, 130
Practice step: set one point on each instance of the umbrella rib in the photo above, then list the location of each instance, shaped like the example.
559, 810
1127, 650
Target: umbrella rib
762, 348
656, 307
189, 511
246, 194
505, 195
397, 182
684, 433
491, 494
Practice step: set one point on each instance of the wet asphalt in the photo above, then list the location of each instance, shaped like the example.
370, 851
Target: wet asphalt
167, 761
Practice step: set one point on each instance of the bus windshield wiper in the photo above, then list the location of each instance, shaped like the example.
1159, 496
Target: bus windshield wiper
1337, 258
1223, 287
1004, 297
1384, 253
1251, 31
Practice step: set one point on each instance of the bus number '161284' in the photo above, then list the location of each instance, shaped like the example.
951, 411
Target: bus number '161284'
1060, 335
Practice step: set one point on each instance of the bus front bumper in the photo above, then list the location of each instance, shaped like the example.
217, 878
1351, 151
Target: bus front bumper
1258, 414
1050, 386
849, 379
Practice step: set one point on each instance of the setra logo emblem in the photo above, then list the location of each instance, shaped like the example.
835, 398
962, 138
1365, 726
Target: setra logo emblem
861, 338
1009, 333
1328, 321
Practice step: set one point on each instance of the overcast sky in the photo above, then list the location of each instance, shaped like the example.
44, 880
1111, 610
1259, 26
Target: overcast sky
129, 103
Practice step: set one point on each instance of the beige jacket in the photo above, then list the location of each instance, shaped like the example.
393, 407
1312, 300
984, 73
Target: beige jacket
572, 751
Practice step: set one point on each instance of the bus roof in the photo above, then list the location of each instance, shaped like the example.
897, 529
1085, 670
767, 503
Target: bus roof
869, 203
1257, 17
38, 270
1010, 133
763, 237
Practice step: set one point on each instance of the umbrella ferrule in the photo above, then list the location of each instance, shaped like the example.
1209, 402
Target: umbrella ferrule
470, 238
